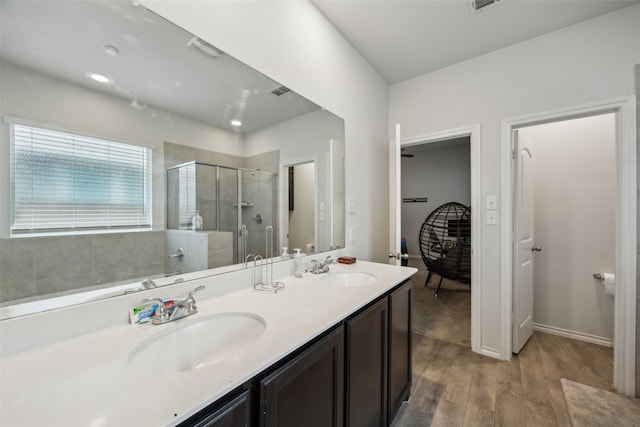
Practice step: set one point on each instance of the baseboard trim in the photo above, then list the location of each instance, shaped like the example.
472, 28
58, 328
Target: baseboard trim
594, 339
490, 352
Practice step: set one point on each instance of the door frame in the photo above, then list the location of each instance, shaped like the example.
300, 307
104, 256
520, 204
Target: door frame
474, 134
283, 204
626, 238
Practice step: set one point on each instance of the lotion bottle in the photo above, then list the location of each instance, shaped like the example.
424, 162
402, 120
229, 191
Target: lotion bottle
297, 260
196, 222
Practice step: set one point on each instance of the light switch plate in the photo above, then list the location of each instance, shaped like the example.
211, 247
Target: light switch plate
322, 207
322, 216
491, 202
352, 205
492, 217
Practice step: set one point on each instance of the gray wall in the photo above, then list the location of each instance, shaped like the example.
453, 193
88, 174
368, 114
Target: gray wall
442, 175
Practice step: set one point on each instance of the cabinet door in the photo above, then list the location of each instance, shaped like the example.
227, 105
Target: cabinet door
366, 386
309, 390
236, 413
399, 347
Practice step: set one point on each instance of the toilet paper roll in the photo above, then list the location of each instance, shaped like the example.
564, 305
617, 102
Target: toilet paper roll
609, 283
309, 248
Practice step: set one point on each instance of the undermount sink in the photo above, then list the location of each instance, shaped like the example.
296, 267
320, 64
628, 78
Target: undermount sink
197, 342
349, 278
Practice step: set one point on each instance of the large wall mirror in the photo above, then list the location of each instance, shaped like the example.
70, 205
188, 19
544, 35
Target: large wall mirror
134, 150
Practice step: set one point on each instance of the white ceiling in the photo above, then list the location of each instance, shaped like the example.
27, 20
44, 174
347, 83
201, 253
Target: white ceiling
154, 70
403, 39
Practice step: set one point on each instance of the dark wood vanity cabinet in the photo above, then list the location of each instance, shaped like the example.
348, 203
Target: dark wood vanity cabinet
378, 360
356, 374
236, 412
307, 390
399, 347
366, 367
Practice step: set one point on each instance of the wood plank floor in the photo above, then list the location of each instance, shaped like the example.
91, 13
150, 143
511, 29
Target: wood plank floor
452, 386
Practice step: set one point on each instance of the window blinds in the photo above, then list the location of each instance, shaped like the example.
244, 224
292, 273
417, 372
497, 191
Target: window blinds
66, 182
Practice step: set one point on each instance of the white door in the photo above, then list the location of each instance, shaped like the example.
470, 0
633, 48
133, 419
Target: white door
394, 199
524, 244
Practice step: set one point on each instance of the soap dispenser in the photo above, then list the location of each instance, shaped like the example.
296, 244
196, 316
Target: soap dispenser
196, 222
297, 260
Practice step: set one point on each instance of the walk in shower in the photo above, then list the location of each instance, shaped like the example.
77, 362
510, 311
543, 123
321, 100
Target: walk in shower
236, 205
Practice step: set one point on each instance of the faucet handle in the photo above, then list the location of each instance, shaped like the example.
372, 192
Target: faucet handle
193, 291
191, 307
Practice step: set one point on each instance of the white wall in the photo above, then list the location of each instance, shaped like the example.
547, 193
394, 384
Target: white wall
441, 175
291, 42
575, 187
589, 62
304, 137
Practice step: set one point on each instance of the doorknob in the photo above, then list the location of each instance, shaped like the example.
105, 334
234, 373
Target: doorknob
536, 248
398, 255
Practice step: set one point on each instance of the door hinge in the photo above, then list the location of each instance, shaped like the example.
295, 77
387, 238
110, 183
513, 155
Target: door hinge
514, 154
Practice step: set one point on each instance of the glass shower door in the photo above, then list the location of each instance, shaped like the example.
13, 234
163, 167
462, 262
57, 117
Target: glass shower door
228, 195
258, 209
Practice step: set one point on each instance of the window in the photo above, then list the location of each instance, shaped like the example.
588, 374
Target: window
63, 182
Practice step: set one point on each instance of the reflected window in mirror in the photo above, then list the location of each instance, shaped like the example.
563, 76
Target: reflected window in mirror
66, 183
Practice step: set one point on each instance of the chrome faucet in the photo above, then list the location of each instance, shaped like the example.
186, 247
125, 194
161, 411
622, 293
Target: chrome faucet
182, 307
179, 254
322, 267
145, 284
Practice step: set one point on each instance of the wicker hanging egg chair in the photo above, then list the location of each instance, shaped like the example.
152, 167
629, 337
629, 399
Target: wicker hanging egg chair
445, 243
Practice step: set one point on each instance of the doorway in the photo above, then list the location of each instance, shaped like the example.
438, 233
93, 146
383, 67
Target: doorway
434, 175
564, 224
625, 234
395, 214
299, 202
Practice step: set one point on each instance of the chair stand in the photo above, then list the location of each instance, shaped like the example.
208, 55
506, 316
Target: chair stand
429, 276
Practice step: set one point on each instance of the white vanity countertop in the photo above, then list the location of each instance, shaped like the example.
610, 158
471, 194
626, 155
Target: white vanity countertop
86, 381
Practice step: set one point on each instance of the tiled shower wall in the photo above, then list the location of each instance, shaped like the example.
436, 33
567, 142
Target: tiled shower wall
46, 265
202, 249
260, 196
261, 191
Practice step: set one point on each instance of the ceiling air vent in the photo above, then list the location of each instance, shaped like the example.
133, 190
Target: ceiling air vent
478, 5
280, 90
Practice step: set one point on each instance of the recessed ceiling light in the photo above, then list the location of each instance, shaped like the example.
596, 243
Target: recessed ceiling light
111, 50
236, 123
99, 77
